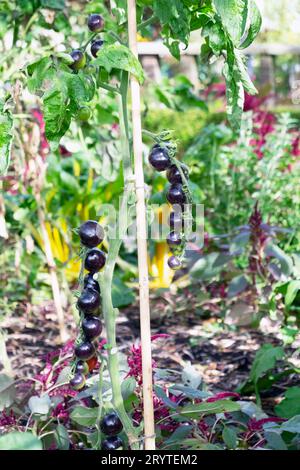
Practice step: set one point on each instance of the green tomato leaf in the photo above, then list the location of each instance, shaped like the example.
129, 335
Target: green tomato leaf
38, 72
244, 76
20, 441
117, 56
6, 136
255, 24
234, 14
56, 113
265, 359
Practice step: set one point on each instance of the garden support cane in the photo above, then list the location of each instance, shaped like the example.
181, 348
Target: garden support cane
141, 240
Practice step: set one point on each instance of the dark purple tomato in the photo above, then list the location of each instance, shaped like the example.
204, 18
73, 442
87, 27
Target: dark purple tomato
174, 263
85, 351
112, 443
89, 301
95, 260
90, 282
79, 59
82, 367
91, 234
159, 158
175, 194
91, 327
95, 22
175, 220
111, 424
174, 239
96, 46
174, 176
78, 381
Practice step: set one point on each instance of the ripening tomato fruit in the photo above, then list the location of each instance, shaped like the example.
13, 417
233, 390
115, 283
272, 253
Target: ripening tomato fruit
82, 367
112, 443
95, 22
90, 282
96, 46
92, 363
174, 239
159, 158
85, 351
78, 381
89, 301
95, 260
79, 59
91, 327
91, 234
174, 175
174, 263
111, 424
175, 194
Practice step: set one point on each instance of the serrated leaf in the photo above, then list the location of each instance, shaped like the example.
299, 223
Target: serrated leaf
244, 76
38, 72
235, 94
56, 114
255, 21
6, 136
20, 441
265, 359
208, 408
117, 56
234, 14
84, 416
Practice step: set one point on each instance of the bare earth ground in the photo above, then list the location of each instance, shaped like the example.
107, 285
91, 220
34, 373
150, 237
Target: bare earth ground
223, 358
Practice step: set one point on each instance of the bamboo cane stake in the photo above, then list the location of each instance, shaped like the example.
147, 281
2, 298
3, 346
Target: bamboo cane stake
149, 429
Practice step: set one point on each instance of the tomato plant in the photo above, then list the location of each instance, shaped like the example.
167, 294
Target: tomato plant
70, 83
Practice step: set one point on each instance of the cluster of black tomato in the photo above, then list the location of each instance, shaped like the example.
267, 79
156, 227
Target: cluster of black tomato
91, 235
160, 159
95, 24
111, 426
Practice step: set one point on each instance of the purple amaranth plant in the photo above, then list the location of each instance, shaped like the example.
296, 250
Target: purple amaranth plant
258, 240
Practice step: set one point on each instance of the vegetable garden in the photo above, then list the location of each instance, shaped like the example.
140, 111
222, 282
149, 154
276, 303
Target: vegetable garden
149, 231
